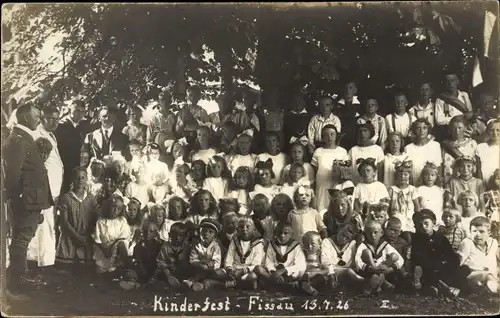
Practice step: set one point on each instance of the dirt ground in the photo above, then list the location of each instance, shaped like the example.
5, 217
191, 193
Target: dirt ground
86, 293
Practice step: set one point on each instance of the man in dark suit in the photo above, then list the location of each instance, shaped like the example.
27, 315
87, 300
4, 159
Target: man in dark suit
107, 139
27, 190
70, 135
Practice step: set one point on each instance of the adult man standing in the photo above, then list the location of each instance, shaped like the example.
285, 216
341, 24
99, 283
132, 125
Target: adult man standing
162, 126
42, 247
70, 134
28, 192
106, 140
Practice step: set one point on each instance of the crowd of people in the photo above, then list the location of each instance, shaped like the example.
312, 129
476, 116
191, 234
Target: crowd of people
262, 197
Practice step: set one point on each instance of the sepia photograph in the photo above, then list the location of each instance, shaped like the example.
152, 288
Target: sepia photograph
250, 159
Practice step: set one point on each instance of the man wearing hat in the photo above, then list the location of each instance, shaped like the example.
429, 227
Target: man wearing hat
27, 192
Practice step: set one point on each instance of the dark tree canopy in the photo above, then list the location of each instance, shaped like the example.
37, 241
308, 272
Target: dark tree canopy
125, 54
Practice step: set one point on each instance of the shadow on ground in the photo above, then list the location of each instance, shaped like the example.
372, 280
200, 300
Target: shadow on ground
86, 293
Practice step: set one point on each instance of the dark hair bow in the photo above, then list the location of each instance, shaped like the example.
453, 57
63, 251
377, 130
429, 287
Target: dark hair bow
368, 161
406, 163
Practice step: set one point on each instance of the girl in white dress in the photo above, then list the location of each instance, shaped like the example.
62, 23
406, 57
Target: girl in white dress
274, 153
153, 165
111, 236
242, 157
395, 145
204, 152
297, 178
369, 190
96, 172
218, 177
430, 194
423, 149
458, 146
297, 154
403, 196
240, 188
365, 149
489, 152
322, 160
263, 180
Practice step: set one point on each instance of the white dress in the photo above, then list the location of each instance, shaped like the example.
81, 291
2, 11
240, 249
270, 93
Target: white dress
140, 192
323, 160
357, 152
432, 199
108, 233
402, 203
370, 192
490, 159
389, 168
216, 186
420, 155
236, 161
279, 162
204, 155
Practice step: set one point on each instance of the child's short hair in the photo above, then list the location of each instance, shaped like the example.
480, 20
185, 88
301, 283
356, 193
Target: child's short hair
107, 204
135, 142
203, 166
329, 126
361, 162
398, 134
302, 190
260, 196
246, 220
224, 202
399, 94
195, 203
371, 224
428, 167
184, 204
44, 146
280, 226
263, 165
297, 165
368, 125
394, 222
463, 160
424, 214
245, 171
155, 209
178, 227
468, 194
226, 173
480, 221
147, 224
286, 200
453, 211
310, 235
491, 185
420, 120
457, 119
185, 167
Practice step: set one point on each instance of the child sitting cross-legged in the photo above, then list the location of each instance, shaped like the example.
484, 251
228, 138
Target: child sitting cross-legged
245, 252
205, 258
433, 253
479, 253
144, 258
337, 254
173, 258
376, 259
285, 262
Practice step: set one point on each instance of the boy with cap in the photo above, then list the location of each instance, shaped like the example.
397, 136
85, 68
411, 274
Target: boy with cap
246, 251
205, 257
433, 256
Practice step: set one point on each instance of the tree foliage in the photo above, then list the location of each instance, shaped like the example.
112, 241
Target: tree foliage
125, 54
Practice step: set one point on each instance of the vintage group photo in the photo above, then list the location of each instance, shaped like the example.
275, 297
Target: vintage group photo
265, 159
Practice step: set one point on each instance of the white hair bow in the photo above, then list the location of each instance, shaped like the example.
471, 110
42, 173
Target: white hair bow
248, 132
302, 140
240, 106
182, 141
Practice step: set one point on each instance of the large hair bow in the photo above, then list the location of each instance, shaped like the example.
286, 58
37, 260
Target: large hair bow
342, 163
406, 163
301, 140
337, 194
363, 121
248, 132
212, 161
182, 141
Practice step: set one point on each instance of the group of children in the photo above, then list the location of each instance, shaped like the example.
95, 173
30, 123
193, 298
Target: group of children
397, 210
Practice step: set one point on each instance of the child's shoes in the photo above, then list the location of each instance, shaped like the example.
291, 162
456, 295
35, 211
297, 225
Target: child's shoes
447, 290
492, 286
417, 275
307, 287
173, 282
197, 287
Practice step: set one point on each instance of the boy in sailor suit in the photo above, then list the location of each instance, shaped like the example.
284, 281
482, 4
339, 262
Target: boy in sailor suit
337, 255
285, 261
375, 258
246, 251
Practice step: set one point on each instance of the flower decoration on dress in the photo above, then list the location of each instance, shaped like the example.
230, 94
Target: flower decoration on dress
301, 140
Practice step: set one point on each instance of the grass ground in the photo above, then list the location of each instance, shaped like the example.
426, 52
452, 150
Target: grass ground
86, 293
